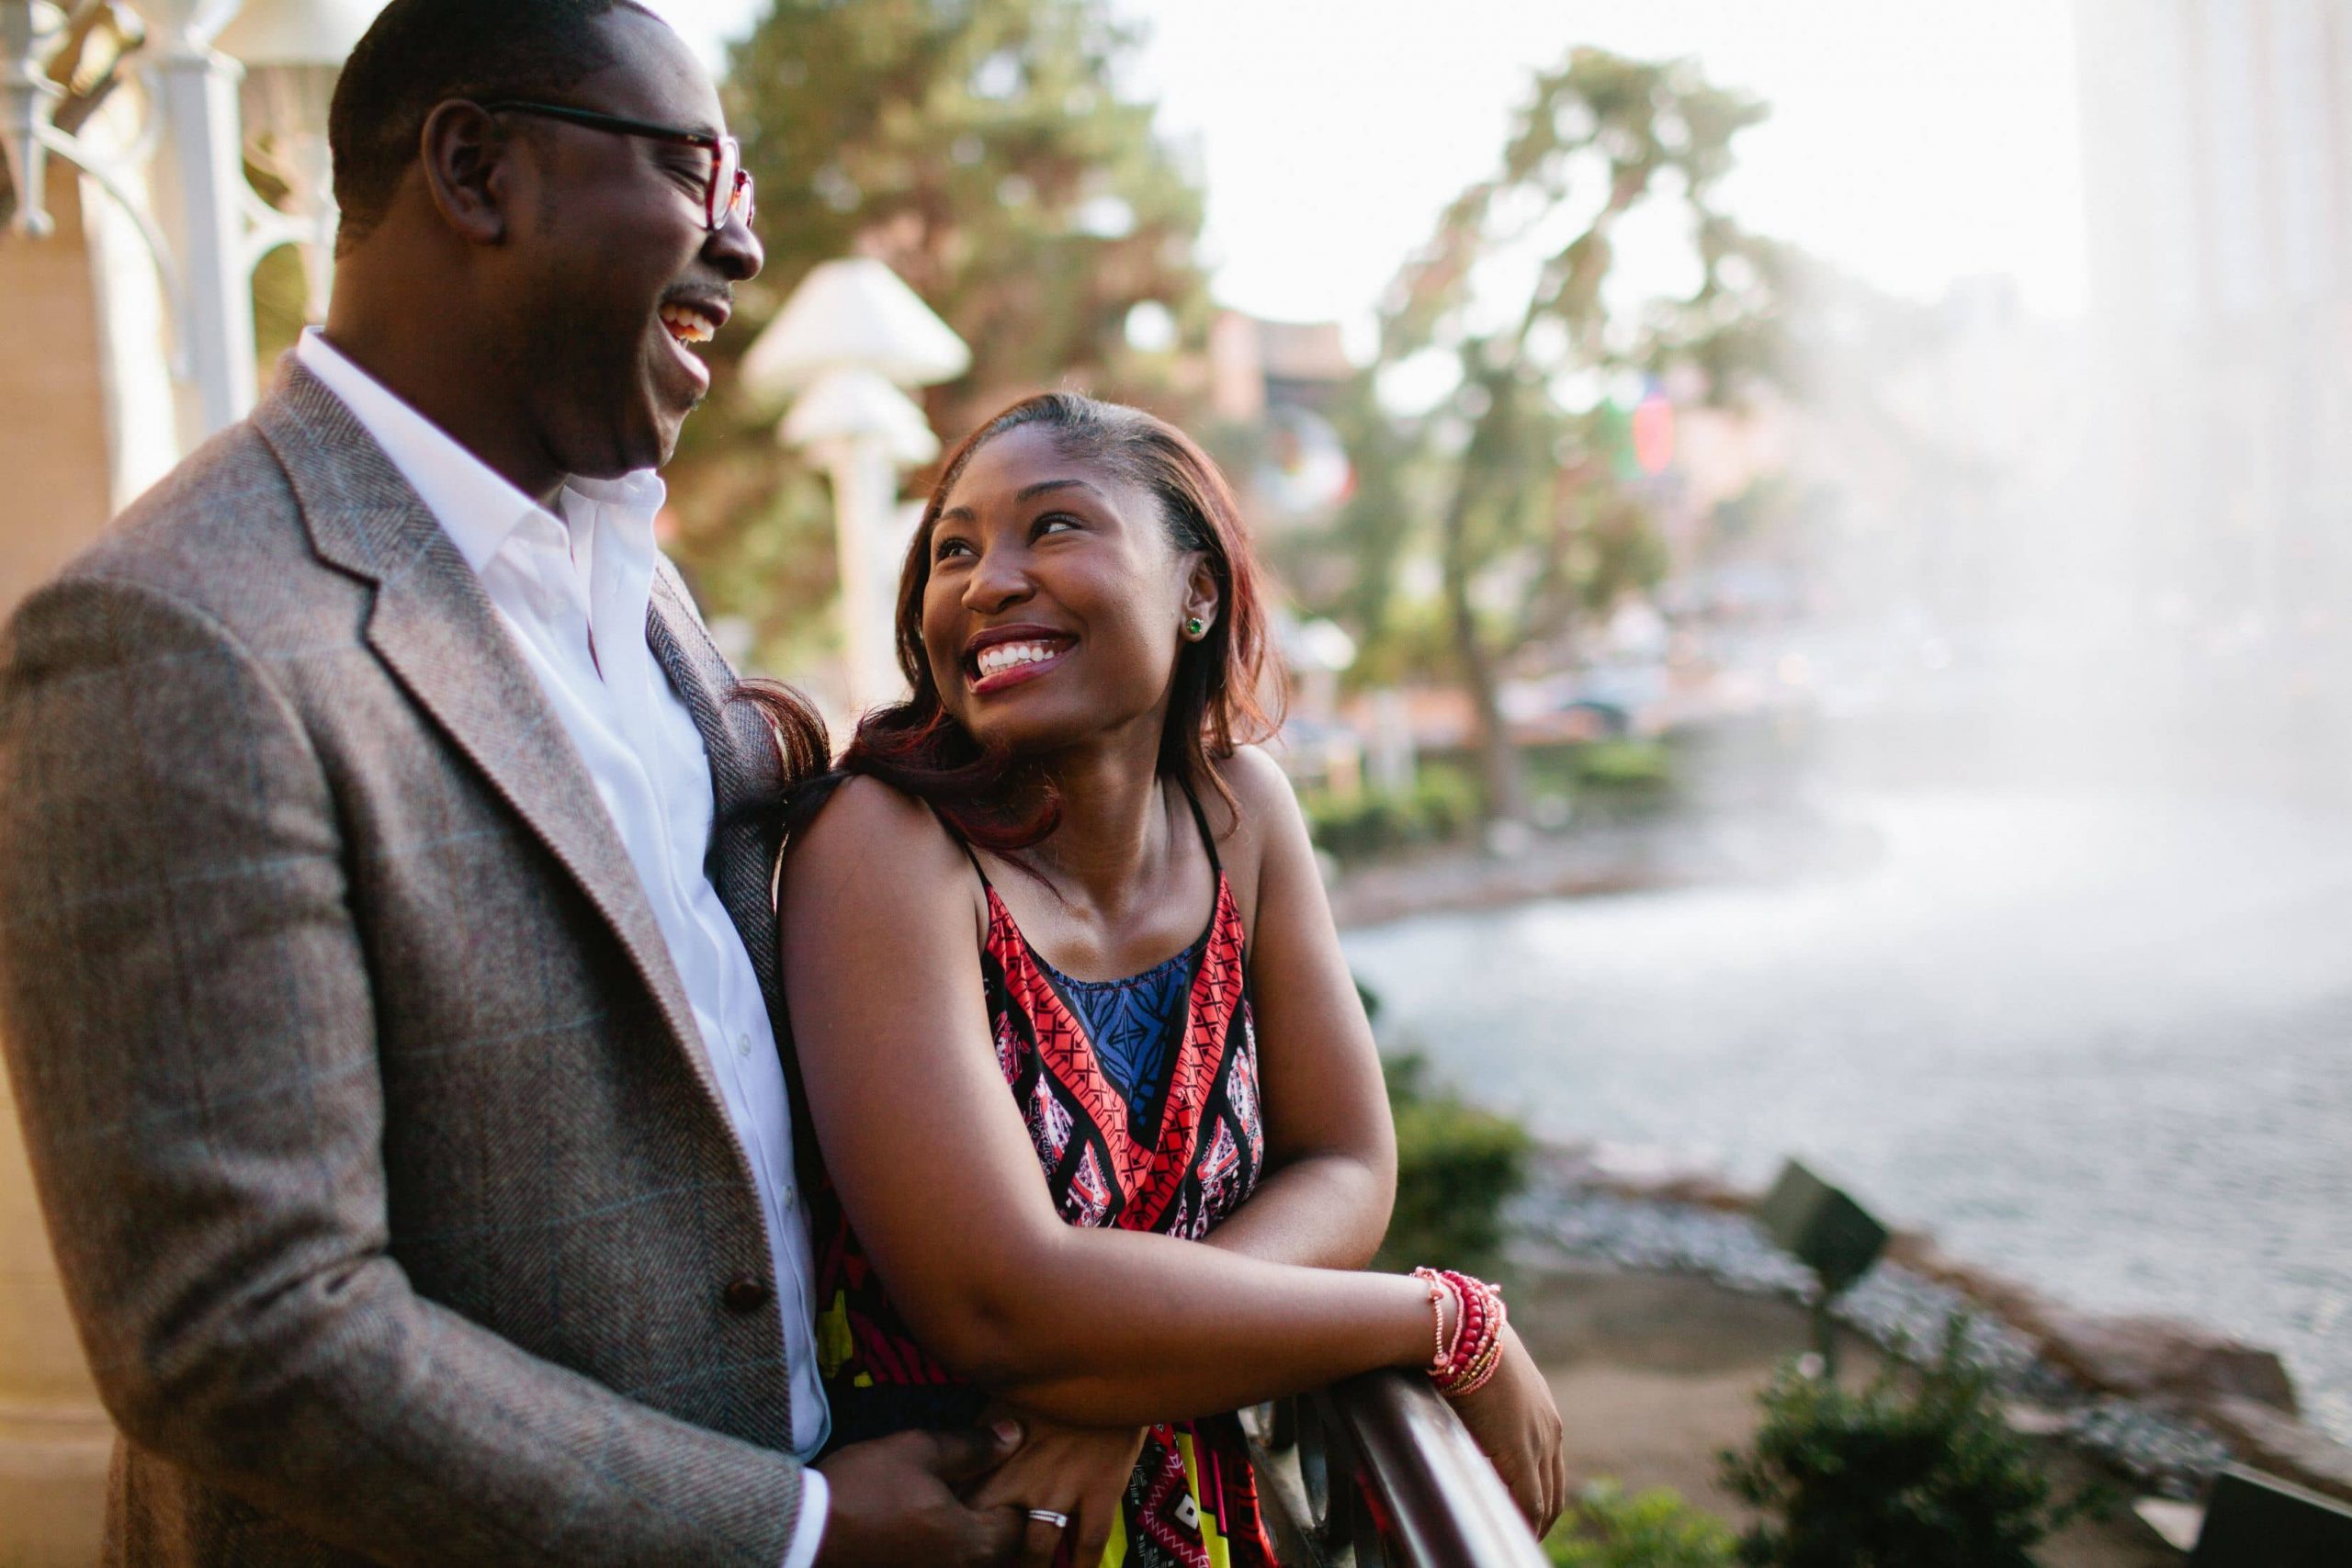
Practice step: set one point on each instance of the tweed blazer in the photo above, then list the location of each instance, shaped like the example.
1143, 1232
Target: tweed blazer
393, 1198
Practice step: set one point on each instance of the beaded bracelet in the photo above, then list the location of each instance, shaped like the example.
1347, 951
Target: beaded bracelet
1464, 1364
1470, 1372
1438, 1293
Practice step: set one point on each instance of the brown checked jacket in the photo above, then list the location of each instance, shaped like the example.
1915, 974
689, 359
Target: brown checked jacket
395, 1204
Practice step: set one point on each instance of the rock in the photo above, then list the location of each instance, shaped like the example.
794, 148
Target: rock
2147, 1356
2019, 1305
1700, 1190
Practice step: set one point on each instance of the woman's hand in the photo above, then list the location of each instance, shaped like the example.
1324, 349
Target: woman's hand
1514, 1420
1078, 1471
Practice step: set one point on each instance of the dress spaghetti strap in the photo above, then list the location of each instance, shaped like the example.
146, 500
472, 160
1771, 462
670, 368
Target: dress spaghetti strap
1201, 820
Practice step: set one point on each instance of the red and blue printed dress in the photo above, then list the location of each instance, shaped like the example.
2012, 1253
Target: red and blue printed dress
1141, 1098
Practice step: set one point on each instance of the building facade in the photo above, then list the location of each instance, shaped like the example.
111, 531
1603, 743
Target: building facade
2217, 156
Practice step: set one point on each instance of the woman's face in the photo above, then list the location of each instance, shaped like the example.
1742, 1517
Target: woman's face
1055, 602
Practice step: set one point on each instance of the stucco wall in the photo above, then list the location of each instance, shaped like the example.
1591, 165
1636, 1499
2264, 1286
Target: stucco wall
55, 488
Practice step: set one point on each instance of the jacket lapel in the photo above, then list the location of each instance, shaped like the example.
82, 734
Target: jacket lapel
744, 768
435, 626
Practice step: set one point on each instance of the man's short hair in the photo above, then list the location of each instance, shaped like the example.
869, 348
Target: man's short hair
420, 53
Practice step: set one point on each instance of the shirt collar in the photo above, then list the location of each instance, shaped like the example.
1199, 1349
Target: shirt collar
476, 506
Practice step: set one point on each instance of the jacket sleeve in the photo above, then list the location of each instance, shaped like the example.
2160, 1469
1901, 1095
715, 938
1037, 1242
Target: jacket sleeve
187, 1009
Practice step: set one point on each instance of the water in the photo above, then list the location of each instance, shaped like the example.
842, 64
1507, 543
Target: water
2104, 1047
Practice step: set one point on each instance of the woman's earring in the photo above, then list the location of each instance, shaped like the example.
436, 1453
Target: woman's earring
1195, 628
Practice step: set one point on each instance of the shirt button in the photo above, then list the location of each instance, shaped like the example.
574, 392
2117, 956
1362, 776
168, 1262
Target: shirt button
745, 1294
743, 1044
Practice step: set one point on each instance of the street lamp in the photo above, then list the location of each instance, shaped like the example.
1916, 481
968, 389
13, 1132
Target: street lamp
851, 336
200, 221
292, 51
862, 430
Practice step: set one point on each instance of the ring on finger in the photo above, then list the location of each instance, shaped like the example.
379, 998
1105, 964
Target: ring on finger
1048, 1517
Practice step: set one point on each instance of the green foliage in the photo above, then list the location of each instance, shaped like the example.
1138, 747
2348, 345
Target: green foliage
1919, 1470
1638, 765
983, 149
1617, 776
1456, 1166
1655, 1529
1442, 805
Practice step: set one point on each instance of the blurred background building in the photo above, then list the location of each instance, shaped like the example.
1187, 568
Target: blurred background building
2217, 150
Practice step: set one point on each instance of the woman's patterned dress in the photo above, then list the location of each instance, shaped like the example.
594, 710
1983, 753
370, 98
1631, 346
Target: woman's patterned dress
1141, 1098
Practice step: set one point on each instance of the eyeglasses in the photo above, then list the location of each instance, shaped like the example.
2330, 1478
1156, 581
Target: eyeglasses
726, 196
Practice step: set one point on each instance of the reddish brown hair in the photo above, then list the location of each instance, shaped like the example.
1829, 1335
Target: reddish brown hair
1215, 701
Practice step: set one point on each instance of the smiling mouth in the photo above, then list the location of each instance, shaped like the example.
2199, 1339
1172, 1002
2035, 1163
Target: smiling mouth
689, 324
1003, 664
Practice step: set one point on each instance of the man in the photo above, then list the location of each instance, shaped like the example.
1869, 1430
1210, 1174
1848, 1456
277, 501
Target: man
404, 1095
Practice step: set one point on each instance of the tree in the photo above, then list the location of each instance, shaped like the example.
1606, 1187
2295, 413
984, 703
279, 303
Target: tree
1537, 520
982, 148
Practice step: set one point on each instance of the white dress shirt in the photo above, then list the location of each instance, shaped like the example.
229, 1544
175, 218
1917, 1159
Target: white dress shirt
574, 595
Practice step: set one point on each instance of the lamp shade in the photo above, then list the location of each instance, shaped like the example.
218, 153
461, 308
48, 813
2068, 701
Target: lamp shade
297, 33
854, 311
849, 404
184, 24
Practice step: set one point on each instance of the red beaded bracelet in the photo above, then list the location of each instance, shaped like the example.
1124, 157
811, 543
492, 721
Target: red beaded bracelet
1464, 1365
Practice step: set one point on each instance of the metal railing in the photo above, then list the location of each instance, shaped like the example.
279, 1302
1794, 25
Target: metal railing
1377, 1472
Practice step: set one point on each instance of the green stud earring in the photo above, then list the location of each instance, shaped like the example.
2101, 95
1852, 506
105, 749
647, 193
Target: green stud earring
1195, 628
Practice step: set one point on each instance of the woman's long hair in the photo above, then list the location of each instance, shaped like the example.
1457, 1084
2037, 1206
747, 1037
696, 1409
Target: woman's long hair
1004, 803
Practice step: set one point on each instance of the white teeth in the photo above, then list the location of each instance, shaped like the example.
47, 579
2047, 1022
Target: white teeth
1007, 655
686, 325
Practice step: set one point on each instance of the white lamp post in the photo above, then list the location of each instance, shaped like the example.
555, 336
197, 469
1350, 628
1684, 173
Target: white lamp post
197, 178
846, 343
292, 51
28, 97
863, 431
203, 222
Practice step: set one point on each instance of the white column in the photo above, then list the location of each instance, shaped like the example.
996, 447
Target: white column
865, 497
198, 182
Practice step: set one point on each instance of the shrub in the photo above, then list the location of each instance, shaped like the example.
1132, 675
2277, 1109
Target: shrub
1632, 766
1650, 1529
1924, 1476
1456, 1166
1440, 807
1445, 800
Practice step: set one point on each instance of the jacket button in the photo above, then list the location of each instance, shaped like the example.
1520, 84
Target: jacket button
746, 1293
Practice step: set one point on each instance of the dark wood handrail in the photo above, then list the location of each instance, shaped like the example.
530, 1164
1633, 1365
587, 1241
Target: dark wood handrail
1380, 1466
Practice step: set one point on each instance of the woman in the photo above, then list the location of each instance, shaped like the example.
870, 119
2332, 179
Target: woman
1057, 869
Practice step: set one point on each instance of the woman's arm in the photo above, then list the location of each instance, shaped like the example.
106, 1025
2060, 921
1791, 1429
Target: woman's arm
1330, 1147
939, 1177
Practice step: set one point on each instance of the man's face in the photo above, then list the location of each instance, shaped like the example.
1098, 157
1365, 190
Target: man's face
611, 273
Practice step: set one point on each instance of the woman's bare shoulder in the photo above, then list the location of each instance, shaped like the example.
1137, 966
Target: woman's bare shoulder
1263, 796
876, 833
1259, 819
1255, 778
